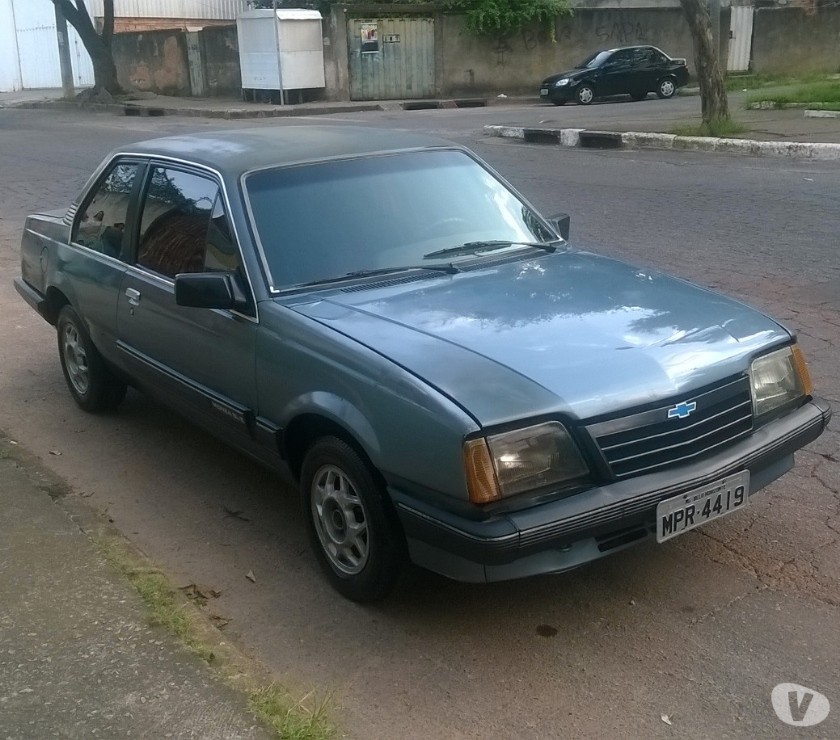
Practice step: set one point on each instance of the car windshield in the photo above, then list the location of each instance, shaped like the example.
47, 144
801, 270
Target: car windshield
323, 221
594, 60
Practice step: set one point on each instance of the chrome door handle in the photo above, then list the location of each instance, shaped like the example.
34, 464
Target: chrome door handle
133, 296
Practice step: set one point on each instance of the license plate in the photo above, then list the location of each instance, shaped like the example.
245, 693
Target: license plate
543, 92
689, 510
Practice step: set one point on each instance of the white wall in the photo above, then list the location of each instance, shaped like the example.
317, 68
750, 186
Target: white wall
29, 48
9, 67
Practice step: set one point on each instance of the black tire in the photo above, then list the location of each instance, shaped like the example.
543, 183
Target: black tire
92, 384
666, 88
559, 101
638, 95
585, 94
340, 490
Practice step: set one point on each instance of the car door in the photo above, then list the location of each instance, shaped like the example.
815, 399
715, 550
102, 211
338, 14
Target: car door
614, 77
95, 263
644, 70
200, 360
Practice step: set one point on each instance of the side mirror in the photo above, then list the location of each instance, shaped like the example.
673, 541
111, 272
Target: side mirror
208, 290
561, 223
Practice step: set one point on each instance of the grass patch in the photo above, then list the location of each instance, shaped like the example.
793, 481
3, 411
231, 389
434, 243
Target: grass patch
291, 719
721, 128
306, 719
737, 83
825, 91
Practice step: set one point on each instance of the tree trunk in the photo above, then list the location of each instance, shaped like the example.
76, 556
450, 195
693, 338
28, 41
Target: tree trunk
98, 46
713, 100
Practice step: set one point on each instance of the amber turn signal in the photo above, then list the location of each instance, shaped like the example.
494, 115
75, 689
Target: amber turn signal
482, 484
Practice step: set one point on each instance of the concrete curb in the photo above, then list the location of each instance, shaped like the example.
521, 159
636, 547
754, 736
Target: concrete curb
575, 137
133, 109
164, 108
813, 113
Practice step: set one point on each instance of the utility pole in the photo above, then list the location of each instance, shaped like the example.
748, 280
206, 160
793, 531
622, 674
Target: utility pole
64, 53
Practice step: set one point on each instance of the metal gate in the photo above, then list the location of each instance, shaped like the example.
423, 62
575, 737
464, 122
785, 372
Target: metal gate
391, 58
740, 38
30, 56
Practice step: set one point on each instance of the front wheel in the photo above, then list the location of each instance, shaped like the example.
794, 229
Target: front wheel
585, 94
92, 384
666, 88
352, 529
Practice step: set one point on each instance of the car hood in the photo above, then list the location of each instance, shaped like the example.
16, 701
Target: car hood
566, 333
572, 74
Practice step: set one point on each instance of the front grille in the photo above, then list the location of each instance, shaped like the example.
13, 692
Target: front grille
648, 441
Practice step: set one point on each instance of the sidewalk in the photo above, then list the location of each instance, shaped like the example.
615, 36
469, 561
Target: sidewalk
77, 657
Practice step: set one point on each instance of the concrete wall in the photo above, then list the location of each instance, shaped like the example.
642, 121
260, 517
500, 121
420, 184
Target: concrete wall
203, 63
790, 40
517, 64
154, 62
220, 58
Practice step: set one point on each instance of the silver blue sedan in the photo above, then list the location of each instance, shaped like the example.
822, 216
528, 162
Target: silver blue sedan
386, 322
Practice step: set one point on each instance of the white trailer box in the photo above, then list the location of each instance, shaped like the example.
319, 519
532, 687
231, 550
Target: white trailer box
281, 49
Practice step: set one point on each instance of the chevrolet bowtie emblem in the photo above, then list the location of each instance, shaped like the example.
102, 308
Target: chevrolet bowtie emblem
682, 410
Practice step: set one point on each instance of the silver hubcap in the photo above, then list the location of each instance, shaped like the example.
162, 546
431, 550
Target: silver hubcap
667, 88
75, 359
340, 520
585, 95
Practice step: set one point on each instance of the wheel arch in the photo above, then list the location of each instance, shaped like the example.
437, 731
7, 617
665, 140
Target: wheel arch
54, 301
308, 426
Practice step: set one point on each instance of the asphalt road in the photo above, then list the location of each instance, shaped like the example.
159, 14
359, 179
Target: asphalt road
696, 632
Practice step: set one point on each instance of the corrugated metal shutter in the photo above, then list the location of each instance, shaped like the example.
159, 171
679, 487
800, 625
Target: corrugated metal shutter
204, 9
740, 38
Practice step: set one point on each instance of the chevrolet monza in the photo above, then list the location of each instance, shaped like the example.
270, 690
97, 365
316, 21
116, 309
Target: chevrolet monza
385, 321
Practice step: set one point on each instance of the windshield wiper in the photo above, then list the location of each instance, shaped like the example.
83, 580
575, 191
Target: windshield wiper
472, 247
448, 269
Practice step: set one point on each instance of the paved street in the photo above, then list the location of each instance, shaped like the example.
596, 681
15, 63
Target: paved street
697, 631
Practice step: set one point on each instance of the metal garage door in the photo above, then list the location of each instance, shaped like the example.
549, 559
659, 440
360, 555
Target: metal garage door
391, 58
740, 38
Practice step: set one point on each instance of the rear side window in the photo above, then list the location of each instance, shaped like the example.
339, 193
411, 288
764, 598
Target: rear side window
101, 226
183, 226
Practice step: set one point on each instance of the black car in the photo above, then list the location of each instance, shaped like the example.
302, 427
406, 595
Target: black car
632, 70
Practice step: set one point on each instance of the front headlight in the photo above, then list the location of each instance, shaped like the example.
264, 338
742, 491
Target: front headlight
562, 82
779, 379
504, 465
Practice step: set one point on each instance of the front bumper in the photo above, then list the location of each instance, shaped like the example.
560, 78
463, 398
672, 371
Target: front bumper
566, 533
550, 93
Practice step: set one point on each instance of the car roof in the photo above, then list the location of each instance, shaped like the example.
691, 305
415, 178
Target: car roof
233, 152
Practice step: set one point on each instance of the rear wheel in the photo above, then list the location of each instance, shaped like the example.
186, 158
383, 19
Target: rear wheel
585, 94
666, 88
352, 528
92, 384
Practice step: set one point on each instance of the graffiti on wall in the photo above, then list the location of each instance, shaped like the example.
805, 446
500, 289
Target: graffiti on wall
532, 38
623, 33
